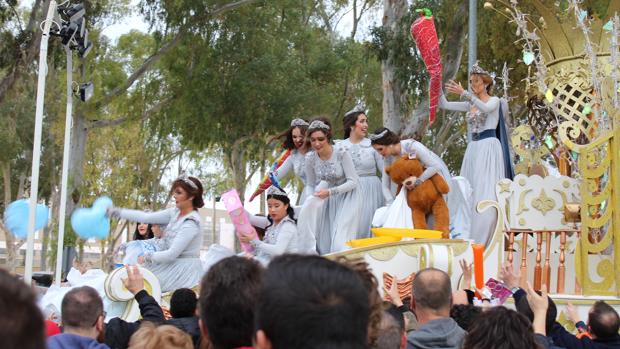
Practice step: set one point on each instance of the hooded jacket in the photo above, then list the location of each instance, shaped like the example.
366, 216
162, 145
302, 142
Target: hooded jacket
442, 333
73, 341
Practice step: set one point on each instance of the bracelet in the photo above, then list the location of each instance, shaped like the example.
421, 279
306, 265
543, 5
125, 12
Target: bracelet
466, 95
515, 289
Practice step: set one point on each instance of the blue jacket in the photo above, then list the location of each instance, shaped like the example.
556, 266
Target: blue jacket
73, 341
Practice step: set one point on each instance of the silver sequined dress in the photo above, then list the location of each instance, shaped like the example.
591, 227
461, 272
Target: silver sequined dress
336, 219
368, 164
296, 163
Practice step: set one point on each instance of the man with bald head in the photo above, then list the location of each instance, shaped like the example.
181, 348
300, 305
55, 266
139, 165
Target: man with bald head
432, 299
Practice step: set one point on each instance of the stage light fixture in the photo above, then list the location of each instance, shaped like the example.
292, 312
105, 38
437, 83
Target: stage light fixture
86, 91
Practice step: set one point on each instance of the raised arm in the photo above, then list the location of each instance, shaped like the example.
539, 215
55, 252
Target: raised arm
285, 168
159, 217
455, 106
349, 172
186, 234
485, 107
287, 233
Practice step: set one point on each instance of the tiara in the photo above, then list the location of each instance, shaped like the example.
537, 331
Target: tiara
183, 177
374, 137
273, 190
476, 69
360, 108
298, 122
318, 124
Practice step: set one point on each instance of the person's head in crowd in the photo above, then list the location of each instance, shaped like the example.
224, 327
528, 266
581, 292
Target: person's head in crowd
143, 232
311, 302
463, 297
150, 336
374, 298
603, 321
21, 321
523, 307
500, 327
228, 294
82, 312
391, 329
432, 295
187, 192
183, 303
465, 314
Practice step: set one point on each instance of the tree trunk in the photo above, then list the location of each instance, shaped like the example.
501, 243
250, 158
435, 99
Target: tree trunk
452, 53
394, 96
76, 160
11, 252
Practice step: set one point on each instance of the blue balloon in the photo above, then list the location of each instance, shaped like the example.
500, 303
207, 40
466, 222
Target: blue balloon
16, 218
92, 222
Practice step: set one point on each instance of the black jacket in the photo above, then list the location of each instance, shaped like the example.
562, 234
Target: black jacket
564, 339
188, 325
118, 331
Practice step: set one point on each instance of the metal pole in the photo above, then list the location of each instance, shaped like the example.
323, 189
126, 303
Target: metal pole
65, 166
472, 53
36, 147
473, 32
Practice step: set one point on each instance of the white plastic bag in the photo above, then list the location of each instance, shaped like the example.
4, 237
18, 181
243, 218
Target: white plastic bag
396, 215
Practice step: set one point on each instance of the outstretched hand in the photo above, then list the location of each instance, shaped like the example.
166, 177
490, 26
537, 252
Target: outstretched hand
509, 276
454, 87
392, 292
467, 269
134, 281
538, 304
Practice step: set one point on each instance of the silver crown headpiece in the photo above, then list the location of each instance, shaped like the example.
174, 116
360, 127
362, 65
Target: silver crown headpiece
299, 122
183, 176
273, 190
360, 108
476, 69
318, 124
374, 137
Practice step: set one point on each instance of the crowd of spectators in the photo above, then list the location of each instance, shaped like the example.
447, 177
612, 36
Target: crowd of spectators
303, 302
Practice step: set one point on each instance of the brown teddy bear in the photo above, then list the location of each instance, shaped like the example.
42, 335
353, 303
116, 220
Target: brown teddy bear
424, 198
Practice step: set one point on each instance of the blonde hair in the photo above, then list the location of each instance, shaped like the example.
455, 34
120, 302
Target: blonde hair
150, 336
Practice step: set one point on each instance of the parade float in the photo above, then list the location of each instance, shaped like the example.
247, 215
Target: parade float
561, 230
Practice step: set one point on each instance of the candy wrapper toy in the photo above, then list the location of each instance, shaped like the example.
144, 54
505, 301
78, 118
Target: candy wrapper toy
425, 36
239, 217
268, 179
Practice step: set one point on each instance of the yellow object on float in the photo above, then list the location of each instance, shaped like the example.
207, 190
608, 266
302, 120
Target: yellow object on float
407, 233
372, 241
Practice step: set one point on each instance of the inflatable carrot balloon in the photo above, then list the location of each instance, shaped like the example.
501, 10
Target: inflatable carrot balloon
425, 36
267, 182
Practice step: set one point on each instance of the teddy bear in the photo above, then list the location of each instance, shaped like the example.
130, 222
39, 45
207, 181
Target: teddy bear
424, 198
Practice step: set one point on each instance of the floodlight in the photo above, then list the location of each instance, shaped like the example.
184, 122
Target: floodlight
86, 91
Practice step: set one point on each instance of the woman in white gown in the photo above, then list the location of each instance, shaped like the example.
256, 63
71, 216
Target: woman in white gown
332, 214
486, 160
368, 164
296, 142
178, 264
281, 235
389, 145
